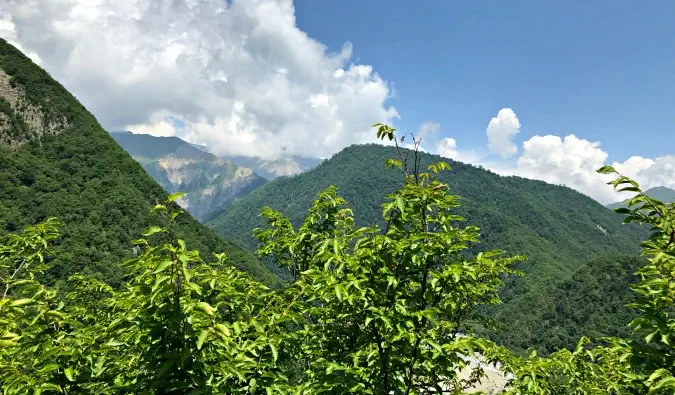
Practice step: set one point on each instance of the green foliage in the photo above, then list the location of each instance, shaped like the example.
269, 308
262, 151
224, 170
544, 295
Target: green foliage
383, 311
32, 337
558, 229
180, 325
592, 302
371, 310
81, 176
642, 365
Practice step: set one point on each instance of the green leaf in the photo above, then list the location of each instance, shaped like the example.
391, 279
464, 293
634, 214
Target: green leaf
201, 338
606, 170
162, 266
275, 353
50, 387
69, 373
21, 302
205, 307
175, 196
152, 230
400, 203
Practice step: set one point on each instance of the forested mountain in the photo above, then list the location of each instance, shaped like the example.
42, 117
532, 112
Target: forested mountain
210, 184
557, 228
591, 302
663, 194
273, 168
56, 160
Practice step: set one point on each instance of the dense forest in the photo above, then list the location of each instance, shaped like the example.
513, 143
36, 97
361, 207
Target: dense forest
83, 177
558, 229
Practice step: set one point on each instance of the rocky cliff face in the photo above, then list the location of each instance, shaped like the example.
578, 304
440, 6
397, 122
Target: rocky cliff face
20, 120
272, 168
210, 184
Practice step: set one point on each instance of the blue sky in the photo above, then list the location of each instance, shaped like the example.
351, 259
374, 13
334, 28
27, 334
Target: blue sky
602, 70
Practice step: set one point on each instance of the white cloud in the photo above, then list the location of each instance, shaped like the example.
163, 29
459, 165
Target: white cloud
650, 173
569, 161
447, 148
500, 132
240, 75
573, 161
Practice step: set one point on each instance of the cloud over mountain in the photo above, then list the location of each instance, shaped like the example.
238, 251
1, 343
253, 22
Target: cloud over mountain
239, 76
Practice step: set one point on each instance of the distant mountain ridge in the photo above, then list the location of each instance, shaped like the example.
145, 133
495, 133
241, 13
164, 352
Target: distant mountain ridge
557, 228
270, 169
663, 194
57, 161
210, 184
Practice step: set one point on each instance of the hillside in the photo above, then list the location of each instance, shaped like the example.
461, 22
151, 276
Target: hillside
663, 194
557, 228
591, 302
210, 184
56, 160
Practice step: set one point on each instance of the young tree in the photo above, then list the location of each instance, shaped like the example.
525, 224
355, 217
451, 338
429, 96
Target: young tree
384, 311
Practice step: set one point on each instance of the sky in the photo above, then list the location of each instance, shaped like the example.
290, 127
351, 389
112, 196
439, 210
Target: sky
544, 90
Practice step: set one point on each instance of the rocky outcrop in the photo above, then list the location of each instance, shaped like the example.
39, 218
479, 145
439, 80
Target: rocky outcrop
210, 183
21, 121
210, 186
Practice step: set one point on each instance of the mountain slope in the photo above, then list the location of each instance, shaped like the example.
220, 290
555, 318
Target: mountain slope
557, 228
659, 193
56, 160
209, 183
591, 302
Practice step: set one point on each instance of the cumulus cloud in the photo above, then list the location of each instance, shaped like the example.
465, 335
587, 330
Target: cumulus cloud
650, 173
447, 148
500, 133
238, 76
573, 161
569, 161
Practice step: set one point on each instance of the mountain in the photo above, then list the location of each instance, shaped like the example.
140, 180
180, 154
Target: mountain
56, 160
273, 168
557, 228
591, 302
659, 193
210, 184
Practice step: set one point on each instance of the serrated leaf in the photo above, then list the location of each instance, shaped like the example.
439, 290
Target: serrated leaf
21, 302
202, 338
205, 307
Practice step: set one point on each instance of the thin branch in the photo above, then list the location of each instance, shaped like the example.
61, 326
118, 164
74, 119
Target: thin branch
23, 260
